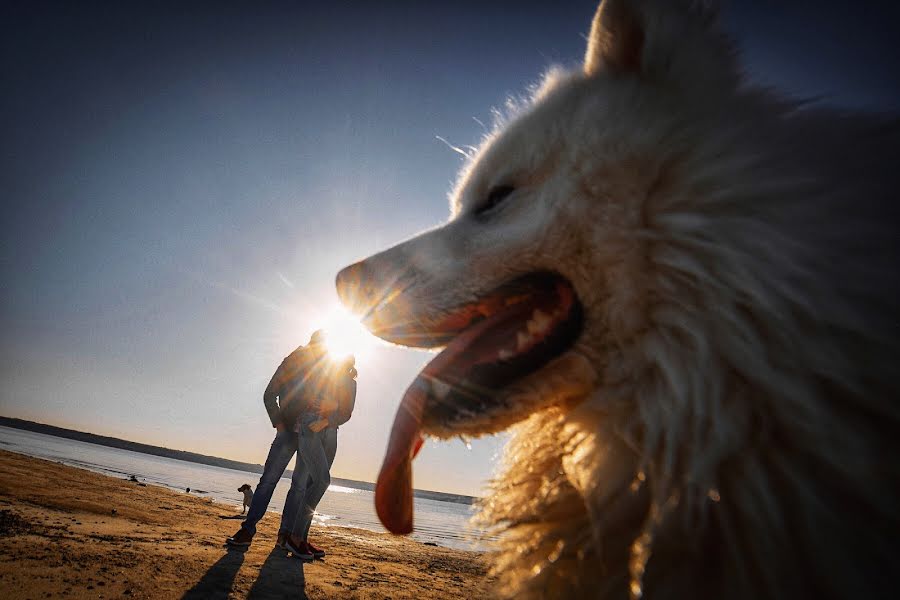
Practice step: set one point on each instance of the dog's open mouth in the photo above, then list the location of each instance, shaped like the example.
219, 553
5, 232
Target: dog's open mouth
491, 343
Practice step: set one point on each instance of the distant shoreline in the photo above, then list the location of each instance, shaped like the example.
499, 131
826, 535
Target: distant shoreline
203, 459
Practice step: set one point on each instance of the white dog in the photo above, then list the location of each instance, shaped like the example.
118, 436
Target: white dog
684, 292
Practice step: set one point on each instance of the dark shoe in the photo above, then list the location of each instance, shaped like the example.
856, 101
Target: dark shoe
316, 551
241, 539
282, 537
300, 550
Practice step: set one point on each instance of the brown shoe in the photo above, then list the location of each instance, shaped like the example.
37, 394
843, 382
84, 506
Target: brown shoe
241, 539
282, 537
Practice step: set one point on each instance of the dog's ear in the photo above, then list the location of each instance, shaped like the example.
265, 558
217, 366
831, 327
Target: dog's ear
632, 36
616, 38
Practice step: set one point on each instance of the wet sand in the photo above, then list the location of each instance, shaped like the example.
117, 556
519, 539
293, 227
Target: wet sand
66, 532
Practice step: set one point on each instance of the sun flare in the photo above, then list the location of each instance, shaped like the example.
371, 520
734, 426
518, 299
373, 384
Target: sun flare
345, 335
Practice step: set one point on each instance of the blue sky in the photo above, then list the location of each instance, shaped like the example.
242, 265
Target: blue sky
181, 184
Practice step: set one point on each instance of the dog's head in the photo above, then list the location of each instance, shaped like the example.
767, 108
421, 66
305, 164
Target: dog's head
537, 278
243, 488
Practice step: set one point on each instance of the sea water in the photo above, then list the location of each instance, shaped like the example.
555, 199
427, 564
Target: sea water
443, 523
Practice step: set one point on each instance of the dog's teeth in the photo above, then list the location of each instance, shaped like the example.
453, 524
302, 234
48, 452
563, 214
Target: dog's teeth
439, 388
522, 340
539, 322
504, 354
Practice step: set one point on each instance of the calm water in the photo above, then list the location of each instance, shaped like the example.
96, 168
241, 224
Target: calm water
444, 523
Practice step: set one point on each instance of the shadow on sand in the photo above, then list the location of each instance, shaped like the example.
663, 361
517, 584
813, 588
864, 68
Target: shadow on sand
216, 583
279, 577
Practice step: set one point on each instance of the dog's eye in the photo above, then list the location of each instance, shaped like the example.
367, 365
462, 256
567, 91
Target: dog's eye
497, 195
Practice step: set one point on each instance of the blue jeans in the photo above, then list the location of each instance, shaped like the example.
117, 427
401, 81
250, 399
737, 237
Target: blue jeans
309, 483
329, 444
292, 504
283, 448
329, 441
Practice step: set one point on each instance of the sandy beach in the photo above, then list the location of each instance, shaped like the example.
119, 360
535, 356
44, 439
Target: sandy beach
67, 532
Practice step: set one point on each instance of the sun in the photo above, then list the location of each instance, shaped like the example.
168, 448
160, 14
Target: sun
345, 335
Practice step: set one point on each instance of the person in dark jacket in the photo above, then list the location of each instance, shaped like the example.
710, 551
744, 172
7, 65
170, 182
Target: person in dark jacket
285, 398
338, 401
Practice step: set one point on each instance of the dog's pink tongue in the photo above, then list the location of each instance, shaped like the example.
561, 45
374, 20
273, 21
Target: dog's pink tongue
393, 491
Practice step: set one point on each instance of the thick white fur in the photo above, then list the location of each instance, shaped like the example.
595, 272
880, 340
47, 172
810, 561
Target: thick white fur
737, 257
733, 429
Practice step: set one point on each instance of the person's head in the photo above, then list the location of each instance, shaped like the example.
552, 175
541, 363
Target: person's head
317, 341
317, 338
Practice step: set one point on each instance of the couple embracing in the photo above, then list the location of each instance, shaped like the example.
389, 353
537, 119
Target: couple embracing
308, 398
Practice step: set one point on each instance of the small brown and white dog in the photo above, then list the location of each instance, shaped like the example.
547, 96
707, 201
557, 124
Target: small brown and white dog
248, 496
683, 294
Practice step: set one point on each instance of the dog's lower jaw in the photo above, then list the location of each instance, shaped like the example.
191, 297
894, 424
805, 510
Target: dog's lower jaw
565, 381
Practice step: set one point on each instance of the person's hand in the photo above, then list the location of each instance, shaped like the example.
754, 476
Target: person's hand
318, 426
279, 426
328, 405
